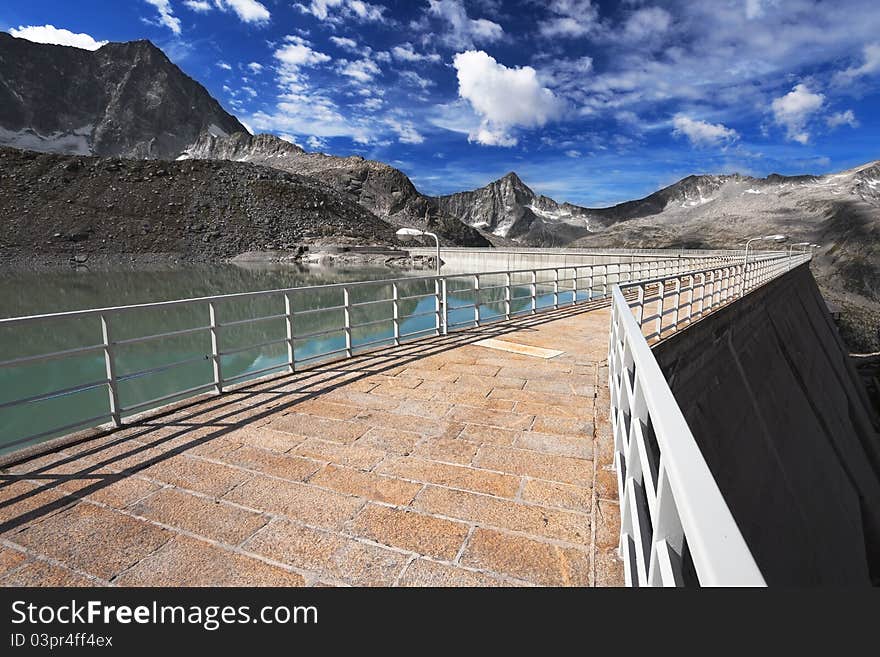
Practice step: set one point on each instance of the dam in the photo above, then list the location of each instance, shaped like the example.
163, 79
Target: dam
548, 418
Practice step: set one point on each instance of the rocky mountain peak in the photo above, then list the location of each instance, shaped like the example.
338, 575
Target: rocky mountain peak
124, 99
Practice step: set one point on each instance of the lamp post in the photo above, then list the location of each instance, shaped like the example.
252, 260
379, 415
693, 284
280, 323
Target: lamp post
769, 238
406, 234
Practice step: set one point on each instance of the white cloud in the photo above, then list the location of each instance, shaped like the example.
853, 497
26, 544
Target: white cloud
248, 11
842, 118
362, 70
335, 11
297, 52
503, 97
406, 132
793, 111
416, 80
224, 66
572, 153
199, 6
255, 67
345, 43
166, 14
569, 19
406, 53
55, 35
702, 133
316, 143
646, 23
870, 64
463, 31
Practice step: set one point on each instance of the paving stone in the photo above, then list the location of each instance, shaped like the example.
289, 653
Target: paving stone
609, 568
200, 515
533, 464
10, 559
366, 484
487, 417
478, 381
98, 541
481, 434
355, 456
606, 484
212, 479
580, 409
608, 524
563, 426
551, 493
507, 514
393, 441
574, 446
474, 399
22, 504
120, 493
419, 408
284, 466
186, 561
528, 559
426, 573
327, 409
361, 399
409, 530
308, 426
308, 504
452, 450
453, 476
264, 437
42, 573
471, 368
328, 554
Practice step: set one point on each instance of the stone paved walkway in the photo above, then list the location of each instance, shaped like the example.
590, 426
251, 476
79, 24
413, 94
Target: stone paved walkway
437, 463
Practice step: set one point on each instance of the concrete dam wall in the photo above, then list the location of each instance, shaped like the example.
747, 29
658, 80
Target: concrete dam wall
778, 410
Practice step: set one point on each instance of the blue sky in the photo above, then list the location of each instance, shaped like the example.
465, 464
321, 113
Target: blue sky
590, 102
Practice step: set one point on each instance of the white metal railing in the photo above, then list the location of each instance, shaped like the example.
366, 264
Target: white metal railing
663, 304
414, 307
676, 528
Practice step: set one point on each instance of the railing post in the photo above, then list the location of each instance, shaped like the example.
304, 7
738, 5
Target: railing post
110, 365
640, 301
590, 282
288, 318
477, 299
346, 302
395, 310
555, 289
677, 301
215, 349
574, 298
507, 296
445, 307
534, 292
661, 303
438, 307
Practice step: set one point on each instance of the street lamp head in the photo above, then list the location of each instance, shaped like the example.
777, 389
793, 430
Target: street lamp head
405, 234
775, 238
